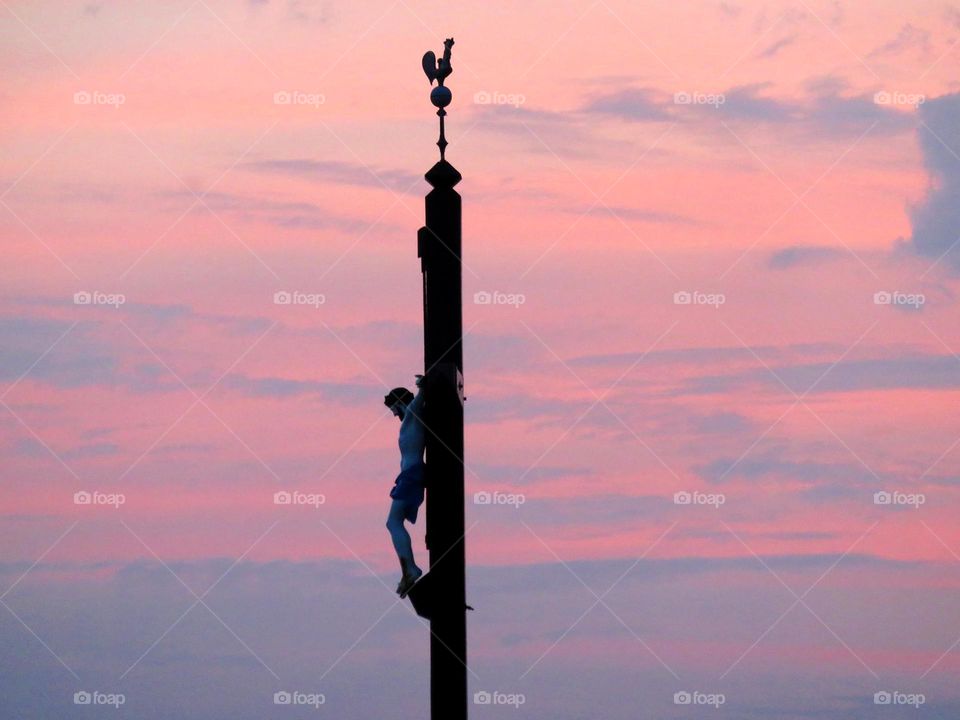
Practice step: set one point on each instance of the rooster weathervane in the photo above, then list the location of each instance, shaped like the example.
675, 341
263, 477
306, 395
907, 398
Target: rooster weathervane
440, 96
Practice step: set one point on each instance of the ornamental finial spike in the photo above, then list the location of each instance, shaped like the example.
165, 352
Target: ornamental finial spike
440, 96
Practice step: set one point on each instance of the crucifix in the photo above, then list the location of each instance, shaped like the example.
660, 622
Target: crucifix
440, 595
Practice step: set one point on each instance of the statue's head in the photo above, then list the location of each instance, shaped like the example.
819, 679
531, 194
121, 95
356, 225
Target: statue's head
397, 400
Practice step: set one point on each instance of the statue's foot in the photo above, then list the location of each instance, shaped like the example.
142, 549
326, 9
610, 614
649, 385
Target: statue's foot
408, 582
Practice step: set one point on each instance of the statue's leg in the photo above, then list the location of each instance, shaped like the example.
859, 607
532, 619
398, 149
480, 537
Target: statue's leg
400, 537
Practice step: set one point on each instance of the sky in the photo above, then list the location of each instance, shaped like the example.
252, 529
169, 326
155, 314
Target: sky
712, 364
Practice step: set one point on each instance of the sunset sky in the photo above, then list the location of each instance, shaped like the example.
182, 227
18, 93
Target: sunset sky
721, 244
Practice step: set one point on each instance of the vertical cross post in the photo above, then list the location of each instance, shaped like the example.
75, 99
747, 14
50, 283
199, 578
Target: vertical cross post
439, 245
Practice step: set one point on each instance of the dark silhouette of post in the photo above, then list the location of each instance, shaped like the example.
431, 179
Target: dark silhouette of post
439, 246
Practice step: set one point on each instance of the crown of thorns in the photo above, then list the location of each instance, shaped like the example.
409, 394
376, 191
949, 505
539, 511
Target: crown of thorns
399, 394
